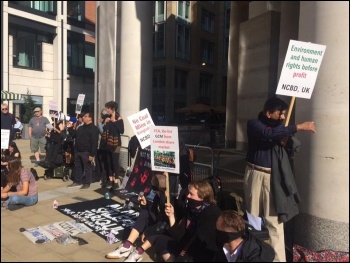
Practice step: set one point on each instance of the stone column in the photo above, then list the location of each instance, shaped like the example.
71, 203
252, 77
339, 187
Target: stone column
135, 59
322, 166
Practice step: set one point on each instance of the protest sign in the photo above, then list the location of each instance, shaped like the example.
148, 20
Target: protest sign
300, 69
80, 103
140, 123
165, 149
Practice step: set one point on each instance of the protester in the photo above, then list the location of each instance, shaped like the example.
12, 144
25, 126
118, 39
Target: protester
36, 132
23, 179
85, 149
7, 120
264, 133
192, 237
236, 243
111, 141
152, 213
10, 153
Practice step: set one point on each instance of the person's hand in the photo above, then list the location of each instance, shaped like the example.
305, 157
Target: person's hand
91, 159
169, 210
107, 120
142, 200
4, 195
307, 126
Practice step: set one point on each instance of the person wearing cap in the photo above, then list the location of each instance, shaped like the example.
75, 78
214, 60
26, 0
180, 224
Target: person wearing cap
36, 132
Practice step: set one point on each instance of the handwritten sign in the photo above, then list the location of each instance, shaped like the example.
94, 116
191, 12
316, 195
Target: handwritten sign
165, 149
53, 108
140, 123
300, 69
5, 138
80, 103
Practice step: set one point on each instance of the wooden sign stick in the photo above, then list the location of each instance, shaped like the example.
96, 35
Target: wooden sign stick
290, 109
167, 190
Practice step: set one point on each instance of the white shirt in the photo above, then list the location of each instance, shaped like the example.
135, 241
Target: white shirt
17, 125
232, 257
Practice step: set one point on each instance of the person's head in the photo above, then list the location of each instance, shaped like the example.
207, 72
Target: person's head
80, 117
111, 106
14, 166
88, 118
4, 108
229, 226
275, 109
104, 114
13, 147
158, 182
37, 112
200, 192
17, 119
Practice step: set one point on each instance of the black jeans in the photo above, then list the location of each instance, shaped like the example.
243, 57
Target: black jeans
83, 168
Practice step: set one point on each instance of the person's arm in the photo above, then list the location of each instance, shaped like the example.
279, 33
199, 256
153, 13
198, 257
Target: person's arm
306, 126
30, 131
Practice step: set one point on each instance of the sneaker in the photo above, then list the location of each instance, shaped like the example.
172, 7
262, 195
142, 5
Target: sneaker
120, 252
13, 207
73, 185
134, 257
85, 186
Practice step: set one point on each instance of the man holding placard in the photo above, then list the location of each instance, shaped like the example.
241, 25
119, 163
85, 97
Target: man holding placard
265, 134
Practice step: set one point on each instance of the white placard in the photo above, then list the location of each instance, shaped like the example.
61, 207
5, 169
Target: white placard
53, 108
140, 123
165, 155
5, 138
80, 103
300, 69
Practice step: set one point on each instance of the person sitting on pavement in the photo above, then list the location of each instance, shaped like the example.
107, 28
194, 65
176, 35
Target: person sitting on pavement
192, 237
11, 152
23, 179
151, 213
236, 243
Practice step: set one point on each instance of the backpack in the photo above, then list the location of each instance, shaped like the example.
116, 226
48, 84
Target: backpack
35, 173
230, 201
215, 182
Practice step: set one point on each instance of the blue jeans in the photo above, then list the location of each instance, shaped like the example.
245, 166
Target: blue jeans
22, 200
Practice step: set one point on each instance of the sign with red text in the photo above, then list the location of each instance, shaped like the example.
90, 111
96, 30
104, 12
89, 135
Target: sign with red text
300, 69
140, 123
165, 155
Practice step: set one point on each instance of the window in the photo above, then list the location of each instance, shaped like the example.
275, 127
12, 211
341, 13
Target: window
207, 21
205, 85
159, 11
159, 41
183, 9
80, 55
207, 52
182, 42
158, 105
158, 81
42, 6
76, 10
27, 48
180, 82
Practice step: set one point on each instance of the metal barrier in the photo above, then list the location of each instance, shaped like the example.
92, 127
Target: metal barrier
228, 165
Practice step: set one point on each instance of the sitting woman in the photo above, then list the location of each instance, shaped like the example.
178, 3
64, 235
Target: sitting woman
151, 213
27, 189
11, 152
192, 237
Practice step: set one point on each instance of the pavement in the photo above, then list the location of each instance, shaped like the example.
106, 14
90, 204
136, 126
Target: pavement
15, 247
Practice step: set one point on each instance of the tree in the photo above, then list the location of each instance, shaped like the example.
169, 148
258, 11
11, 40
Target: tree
29, 106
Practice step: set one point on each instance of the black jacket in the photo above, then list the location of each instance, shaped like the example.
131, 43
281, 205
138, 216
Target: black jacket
253, 250
203, 246
283, 184
86, 139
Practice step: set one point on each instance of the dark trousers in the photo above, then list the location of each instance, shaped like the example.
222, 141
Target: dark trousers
83, 167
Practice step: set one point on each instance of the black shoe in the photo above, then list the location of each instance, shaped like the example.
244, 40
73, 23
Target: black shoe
13, 207
85, 186
73, 185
